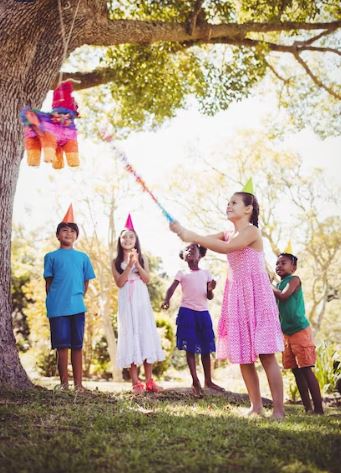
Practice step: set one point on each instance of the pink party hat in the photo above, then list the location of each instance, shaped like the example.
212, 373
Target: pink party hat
129, 223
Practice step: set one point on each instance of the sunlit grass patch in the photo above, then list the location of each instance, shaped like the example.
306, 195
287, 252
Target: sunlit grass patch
42, 431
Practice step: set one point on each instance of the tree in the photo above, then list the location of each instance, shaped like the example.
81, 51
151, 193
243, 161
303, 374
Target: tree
32, 52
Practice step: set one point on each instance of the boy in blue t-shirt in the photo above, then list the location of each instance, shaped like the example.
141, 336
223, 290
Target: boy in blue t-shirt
67, 273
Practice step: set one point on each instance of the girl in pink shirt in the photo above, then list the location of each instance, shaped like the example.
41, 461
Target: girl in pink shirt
194, 325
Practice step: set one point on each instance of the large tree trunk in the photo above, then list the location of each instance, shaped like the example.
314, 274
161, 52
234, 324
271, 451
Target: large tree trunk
31, 57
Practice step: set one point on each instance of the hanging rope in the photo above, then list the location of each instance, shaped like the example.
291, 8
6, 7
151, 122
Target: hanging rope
66, 40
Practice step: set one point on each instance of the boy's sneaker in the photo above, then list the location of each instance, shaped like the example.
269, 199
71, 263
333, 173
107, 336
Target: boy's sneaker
152, 387
138, 388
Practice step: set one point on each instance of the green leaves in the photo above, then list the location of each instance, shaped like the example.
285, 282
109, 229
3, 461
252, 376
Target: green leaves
231, 80
170, 10
152, 83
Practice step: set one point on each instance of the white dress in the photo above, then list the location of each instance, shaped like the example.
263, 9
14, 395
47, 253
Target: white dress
138, 339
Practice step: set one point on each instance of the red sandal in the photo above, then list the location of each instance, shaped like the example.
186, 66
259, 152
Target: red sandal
138, 388
152, 387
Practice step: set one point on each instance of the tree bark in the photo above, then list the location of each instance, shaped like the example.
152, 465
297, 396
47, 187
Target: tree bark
30, 56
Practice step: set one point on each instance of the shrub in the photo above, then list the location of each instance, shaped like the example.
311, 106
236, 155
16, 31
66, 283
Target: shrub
291, 385
328, 366
165, 329
46, 361
101, 359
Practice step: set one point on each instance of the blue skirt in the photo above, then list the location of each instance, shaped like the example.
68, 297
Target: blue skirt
194, 331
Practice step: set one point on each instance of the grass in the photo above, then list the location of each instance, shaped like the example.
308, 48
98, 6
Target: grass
57, 432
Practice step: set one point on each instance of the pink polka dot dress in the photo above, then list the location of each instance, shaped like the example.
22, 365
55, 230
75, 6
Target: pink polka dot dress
249, 323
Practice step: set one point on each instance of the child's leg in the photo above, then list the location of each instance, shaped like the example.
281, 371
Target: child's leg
303, 388
151, 386
193, 370
77, 323
77, 366
133, 374
148, 367
273, 373
251, 381
314, 389
63, 355
206, 364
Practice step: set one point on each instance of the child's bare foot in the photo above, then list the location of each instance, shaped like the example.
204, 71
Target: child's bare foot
214, 386
79, 388
197, 389
278, 415
255, 412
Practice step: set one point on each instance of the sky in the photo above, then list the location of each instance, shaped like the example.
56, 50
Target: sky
44, 194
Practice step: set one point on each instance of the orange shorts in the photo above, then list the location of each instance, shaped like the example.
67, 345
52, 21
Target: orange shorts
299, 350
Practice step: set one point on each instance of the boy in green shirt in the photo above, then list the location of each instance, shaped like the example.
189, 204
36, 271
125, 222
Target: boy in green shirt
299, 350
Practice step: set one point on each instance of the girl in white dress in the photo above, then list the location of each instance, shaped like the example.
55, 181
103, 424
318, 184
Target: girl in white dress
138, 340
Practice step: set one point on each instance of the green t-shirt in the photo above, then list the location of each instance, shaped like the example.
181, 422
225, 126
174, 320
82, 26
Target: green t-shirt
292, 310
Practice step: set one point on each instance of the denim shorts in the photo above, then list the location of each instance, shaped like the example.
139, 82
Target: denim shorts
194, 331
67, 331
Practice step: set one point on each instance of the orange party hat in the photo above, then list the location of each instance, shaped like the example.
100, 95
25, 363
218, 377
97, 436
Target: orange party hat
69, 217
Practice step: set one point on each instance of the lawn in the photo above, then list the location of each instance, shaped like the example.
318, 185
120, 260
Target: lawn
48, 431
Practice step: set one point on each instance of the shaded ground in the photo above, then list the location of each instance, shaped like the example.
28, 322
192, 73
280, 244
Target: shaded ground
51, 431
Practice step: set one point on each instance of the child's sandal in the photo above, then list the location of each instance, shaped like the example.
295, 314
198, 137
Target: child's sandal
152, 387
138, 388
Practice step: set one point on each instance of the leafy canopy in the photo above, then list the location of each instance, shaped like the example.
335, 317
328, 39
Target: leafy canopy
152, 81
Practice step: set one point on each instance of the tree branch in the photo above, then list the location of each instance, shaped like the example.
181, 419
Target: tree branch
86, 80
108, 32
102, 31
193, 18
276, 74
282, 48
315, 38
314, 78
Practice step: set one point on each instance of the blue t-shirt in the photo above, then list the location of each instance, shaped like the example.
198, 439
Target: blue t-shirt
69, 269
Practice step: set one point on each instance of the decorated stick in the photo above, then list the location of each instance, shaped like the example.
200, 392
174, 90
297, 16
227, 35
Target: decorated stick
138, 178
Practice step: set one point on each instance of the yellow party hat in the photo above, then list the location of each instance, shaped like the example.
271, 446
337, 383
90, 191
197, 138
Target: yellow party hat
249, 186
288, 248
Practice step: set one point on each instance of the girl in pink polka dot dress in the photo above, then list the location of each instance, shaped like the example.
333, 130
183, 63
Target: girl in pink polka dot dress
249, 325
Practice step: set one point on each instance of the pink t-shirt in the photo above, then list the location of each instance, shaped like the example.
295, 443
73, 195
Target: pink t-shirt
194, 288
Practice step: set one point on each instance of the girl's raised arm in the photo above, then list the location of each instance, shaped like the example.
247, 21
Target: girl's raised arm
246, 237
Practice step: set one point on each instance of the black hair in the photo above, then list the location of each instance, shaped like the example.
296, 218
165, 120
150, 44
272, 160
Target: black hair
73, 226
202, 251
292, 258
120, 252
250, 199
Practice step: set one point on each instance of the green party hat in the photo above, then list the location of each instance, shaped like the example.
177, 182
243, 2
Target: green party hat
249, 186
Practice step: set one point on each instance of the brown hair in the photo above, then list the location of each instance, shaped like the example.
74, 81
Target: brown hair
73, 226
250, 199
120, 253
